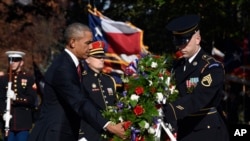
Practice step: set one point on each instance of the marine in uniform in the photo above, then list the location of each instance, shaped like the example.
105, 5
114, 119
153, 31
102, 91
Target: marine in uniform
25, 96
100, 88
199, 80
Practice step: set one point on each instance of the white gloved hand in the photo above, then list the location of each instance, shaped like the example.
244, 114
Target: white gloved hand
7, 116
82, 139
11, 94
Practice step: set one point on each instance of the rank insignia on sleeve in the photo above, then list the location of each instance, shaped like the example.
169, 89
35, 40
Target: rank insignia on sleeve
110, 91
180, 107
206, 80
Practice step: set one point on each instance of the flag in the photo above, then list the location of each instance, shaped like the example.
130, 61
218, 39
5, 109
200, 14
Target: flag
123, 40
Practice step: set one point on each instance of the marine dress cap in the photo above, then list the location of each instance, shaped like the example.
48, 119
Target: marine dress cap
183, 28
97, 49
15, 55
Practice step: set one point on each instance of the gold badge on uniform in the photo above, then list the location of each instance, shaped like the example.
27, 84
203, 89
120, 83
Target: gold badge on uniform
206, 80
110, 91
93, 85
24, 82
195, 63
95, 88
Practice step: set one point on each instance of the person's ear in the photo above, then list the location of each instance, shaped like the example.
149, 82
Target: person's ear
72, 43
198, 38
21, 63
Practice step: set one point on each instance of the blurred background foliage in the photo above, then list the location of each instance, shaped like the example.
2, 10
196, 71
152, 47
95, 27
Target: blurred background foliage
36, 26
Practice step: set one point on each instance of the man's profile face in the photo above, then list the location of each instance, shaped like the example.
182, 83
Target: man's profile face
83, 44
190, 48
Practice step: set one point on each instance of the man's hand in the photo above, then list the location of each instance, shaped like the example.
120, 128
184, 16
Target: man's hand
117, 129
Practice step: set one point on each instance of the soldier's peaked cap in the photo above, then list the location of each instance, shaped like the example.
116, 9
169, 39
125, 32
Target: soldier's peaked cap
97, 49
15, 54
183, 28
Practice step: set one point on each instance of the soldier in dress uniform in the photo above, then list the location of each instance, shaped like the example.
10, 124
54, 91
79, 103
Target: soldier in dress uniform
25, 96
199, 80
100, 88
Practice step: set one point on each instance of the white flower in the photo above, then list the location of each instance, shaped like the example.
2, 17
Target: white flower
154, 65
120, 119
172, 89
161, 77
150, 82
168, 81
134, 97
146, 125
159, 97
151, 130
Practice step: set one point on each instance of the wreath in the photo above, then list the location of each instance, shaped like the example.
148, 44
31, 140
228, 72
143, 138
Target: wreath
148, 83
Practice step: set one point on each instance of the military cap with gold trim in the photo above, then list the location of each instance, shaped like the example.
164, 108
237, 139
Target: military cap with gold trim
183, 28
97, 49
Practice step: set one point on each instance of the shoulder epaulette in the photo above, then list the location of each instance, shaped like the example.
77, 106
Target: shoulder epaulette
211, 62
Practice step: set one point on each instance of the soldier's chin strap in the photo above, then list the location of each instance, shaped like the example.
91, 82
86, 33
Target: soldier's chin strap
18, 66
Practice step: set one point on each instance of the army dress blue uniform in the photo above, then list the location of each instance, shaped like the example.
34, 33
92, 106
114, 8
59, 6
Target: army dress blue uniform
201, 92
199, 79
101, 89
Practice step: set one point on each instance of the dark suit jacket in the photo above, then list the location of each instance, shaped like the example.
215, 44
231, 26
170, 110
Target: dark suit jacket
196, 108
64, 104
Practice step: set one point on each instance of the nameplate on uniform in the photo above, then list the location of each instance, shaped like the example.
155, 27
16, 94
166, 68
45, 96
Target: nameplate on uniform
110, 91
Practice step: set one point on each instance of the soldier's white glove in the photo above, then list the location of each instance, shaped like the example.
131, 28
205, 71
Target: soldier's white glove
7, 116
82, 139
11, 94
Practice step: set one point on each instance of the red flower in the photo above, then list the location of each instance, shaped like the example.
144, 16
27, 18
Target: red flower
178, 55
139, 90
139, 138
160, 75
158, 106
127, 124
168, 73
138, 110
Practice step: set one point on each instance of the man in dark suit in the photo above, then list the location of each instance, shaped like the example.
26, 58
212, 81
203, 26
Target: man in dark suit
199, 80
100, 88
23, 100
64, 103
